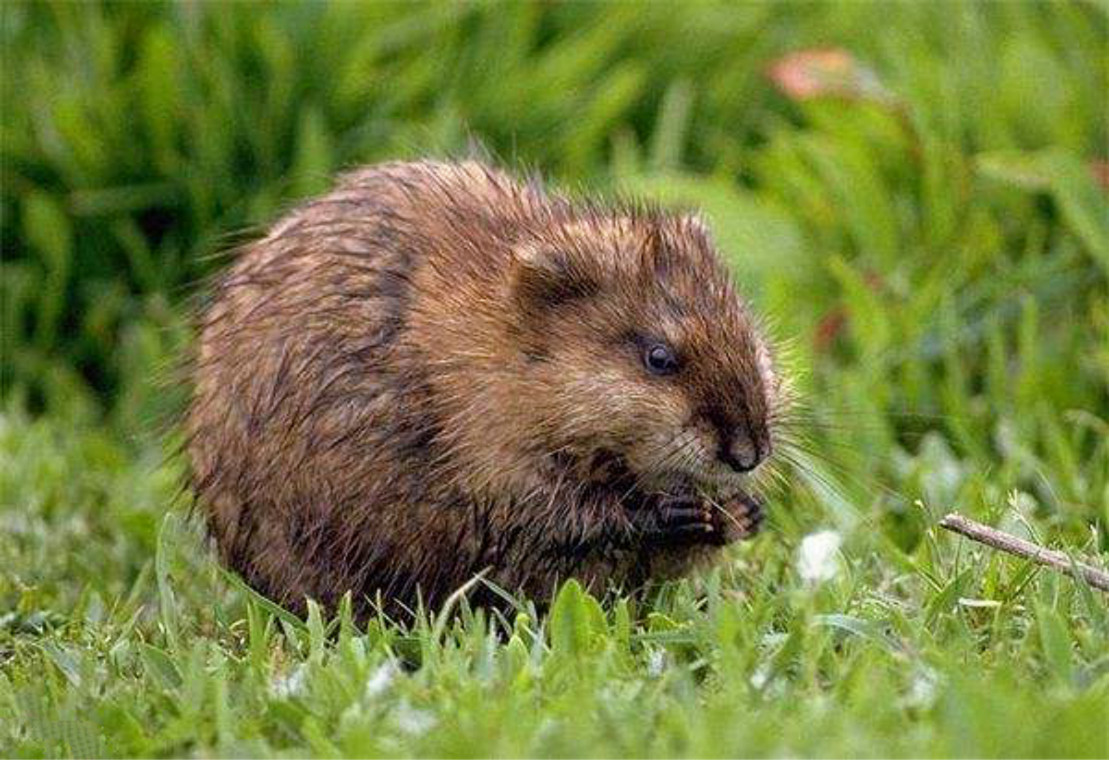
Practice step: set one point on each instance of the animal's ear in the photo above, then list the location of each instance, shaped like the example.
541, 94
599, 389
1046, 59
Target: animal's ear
667, 245
545, 276
656, 256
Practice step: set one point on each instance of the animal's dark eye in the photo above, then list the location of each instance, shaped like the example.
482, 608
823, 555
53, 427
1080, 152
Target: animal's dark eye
659, 359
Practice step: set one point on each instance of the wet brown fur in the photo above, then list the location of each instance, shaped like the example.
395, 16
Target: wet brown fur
436, 370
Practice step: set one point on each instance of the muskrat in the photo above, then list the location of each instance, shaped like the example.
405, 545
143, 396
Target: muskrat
437, 370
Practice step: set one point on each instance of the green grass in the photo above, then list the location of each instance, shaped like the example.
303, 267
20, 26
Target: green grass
122, 638
934, 248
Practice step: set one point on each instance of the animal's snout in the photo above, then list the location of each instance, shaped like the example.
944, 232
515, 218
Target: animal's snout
742, 451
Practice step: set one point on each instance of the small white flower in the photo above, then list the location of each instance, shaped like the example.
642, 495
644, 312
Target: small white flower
656, 662
922, 690
411, 720
760, 677
381, 679
816, 559
290, 684
1007, 439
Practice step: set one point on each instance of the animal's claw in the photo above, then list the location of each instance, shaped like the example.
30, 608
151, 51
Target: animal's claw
677, 520
742, 516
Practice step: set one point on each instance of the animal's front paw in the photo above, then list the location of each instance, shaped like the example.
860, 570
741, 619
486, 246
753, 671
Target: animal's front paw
738, 517
677, 520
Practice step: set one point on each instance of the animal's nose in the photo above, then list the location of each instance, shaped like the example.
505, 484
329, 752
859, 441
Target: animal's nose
743, 452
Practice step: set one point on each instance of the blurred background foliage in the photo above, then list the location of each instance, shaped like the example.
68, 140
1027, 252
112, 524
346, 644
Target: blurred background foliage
914, 192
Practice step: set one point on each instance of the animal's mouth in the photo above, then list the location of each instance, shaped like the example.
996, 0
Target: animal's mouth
726, 488
610, 469
709, 484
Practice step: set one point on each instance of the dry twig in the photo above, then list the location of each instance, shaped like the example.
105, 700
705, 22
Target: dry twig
1006, 542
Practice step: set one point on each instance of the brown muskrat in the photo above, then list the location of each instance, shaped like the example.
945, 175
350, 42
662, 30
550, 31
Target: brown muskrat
436, 370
